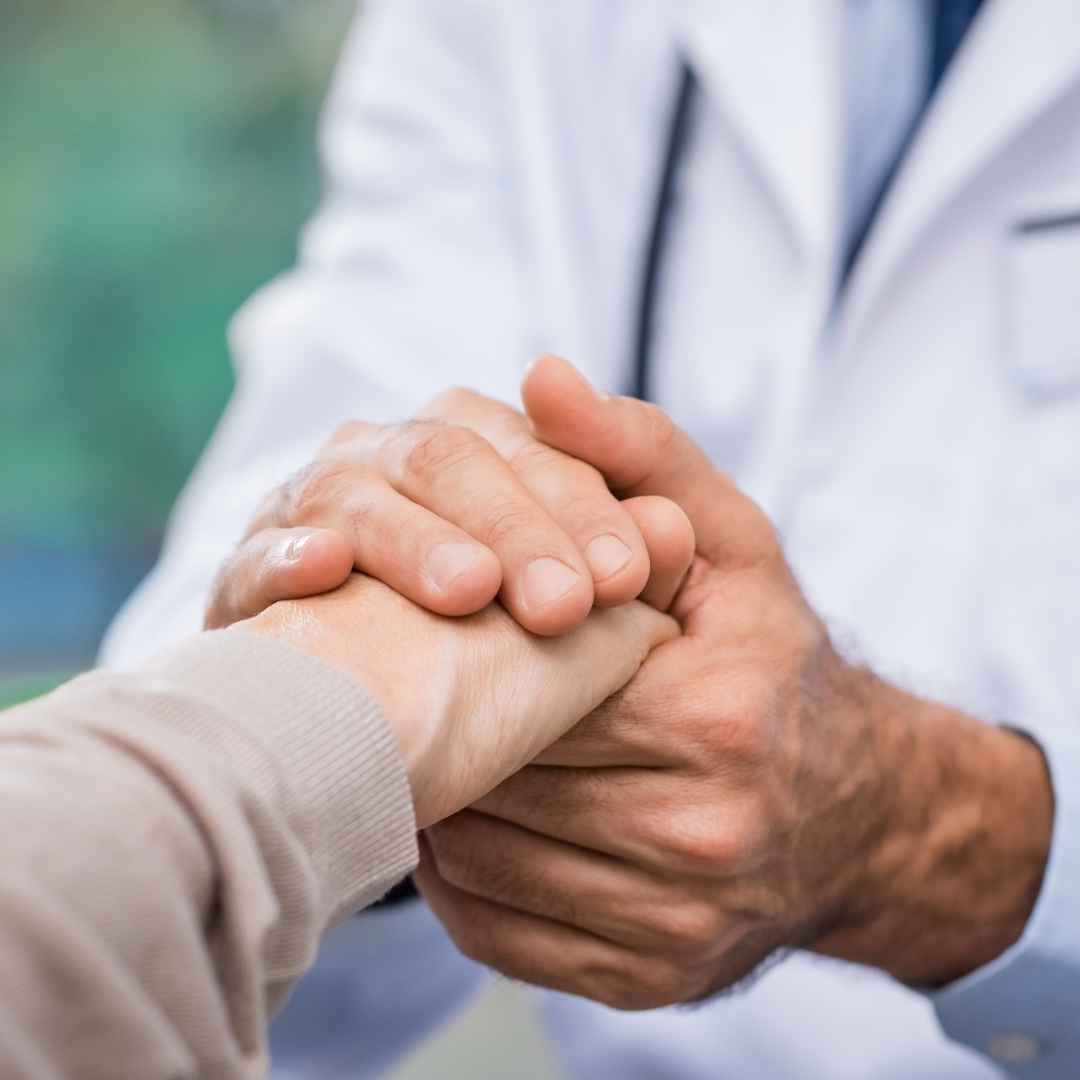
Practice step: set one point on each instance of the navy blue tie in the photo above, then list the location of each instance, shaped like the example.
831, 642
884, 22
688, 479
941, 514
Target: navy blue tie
951, 21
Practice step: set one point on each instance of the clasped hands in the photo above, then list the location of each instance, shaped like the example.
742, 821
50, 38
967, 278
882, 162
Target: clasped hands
633, 806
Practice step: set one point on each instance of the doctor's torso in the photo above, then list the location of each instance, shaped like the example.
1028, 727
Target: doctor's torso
917, 440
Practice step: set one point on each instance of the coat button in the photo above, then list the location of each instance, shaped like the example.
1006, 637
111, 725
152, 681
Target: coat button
1013, 1048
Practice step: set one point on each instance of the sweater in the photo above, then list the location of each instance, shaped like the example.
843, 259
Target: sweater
176, 840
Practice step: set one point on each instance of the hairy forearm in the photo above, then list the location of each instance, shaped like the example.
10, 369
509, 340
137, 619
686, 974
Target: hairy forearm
955, 868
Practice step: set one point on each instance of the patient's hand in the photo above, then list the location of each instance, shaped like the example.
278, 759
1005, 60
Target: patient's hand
450, 510
470, 700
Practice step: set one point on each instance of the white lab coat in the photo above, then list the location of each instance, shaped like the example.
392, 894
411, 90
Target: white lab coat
492, 170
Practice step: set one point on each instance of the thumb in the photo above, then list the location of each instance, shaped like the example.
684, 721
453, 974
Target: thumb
277, 564
641, 451
669, 538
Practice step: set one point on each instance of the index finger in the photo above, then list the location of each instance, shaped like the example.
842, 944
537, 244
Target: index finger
572, 492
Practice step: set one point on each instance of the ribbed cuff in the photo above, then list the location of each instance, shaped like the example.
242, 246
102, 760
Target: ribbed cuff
314, 730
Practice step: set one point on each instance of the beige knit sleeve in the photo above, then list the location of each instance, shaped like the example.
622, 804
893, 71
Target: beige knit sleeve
175, 841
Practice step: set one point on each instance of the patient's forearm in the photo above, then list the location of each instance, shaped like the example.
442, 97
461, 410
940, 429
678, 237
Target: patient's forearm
176, 840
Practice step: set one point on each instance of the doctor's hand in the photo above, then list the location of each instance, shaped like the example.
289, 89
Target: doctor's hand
469, 700
450, 509
748, 791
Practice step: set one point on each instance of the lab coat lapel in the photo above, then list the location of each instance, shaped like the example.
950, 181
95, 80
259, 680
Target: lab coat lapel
772, 70
1019, 58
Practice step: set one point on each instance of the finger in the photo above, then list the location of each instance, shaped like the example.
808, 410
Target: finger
640, 451
407, 547
459, 476
573, 493
521, 869
539, 690
638, 725
579, 805
537, 950
669, 537
277, 564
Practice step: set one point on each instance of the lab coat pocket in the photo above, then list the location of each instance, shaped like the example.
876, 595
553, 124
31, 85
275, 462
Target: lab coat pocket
1043, 302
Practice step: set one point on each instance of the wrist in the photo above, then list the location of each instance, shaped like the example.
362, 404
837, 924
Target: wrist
302, 625
963, 835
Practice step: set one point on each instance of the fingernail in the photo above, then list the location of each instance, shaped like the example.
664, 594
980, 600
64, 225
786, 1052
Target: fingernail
447, 562
606, 555
294, 550
546, 580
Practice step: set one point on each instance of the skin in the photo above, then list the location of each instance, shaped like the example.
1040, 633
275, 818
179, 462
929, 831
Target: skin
748, 790
450, 509
492, 695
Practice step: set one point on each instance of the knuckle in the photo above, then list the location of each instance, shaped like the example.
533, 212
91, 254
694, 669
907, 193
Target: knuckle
699, 844
471, 943
736, 848
536, 456
470, 408
742, 733
645, 983
347, 431
453, 852
701, 723
611, 985
615, 994
466, 859
307, 492
664, 984
461, 866
648, 830
584, 508
690, 841
433, 448
493, 944
451, 401
359, 504
657, 840
685, 928
507, 519
716, 738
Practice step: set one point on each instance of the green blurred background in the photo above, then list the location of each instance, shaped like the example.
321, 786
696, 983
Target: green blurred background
158, 159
